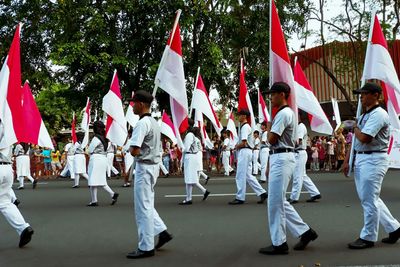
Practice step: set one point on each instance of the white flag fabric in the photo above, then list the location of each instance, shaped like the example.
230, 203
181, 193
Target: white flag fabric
116, 130
85, 123
201, 102
307, 101
199, 122
231, 127
336, 113
130, 116
167, 128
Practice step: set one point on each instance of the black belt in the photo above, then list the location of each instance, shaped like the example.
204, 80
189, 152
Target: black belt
370, 152
191, 153
245, 147
281, 150
5, 163
298, 150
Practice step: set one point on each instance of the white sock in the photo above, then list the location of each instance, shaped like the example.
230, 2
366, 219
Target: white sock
189, 188
108, 190
93, 194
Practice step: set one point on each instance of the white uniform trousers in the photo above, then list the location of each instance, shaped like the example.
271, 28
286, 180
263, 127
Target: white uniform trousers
369, 172
280, 213
226, 155
69, 167
256, 153
243, 175
148, 221
7, 208
264, 156
110, 165
300, 178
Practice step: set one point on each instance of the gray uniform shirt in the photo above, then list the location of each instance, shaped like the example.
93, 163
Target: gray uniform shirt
374, 123
284, 126
97, 147
146, 135
79, 149
6, 152
264, 140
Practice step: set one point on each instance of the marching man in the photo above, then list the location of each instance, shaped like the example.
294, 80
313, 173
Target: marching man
282, 163
264, 152
7, 208
256, 152
226, 153
69, 150
146, 148
300, 177
371, 164
243, 172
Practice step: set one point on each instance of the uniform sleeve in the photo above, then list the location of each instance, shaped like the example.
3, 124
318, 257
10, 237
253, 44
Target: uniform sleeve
244, 132
139, 132
264, 137
300, 132
280, 122
374, 124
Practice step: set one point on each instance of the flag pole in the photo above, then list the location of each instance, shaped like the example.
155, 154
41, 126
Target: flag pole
270, 48
178, 15
195, 86
359, 106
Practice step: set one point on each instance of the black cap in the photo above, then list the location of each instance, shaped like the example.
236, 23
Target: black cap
369, 88
244, 112
279, 87
142, 96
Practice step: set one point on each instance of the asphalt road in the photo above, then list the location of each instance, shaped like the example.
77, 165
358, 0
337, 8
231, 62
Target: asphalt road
209, 233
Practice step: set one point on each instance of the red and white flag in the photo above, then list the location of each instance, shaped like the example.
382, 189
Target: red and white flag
116, 130
202, 103
199, 122
11, 94
73, 129
36, 132
280, 68
307, 101
231, 127
130, 116
167, 127
263, 114
244, 97
171, 78
379, 65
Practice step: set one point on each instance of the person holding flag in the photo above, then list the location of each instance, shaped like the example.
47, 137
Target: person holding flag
264, 152
226, 153
282, 164
372, 136
23, 165
79, 160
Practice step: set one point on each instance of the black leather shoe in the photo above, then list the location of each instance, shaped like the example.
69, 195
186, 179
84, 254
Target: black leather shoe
261, 181
186, 202
34, 184
292, 201
263, 197
306, 238
275, 250
26, 236
16, 202
361, 244
138, 254
206, 195
163, 238
75, 186
236, 202
392, 238
21, 188
207, 179
92, 204
114, 198
314, 198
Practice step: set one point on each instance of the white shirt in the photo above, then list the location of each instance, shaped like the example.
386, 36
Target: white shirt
301, 133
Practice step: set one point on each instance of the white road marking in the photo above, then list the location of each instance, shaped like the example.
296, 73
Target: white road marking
217, 195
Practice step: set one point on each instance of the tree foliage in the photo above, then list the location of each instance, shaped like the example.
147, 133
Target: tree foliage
76, 45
